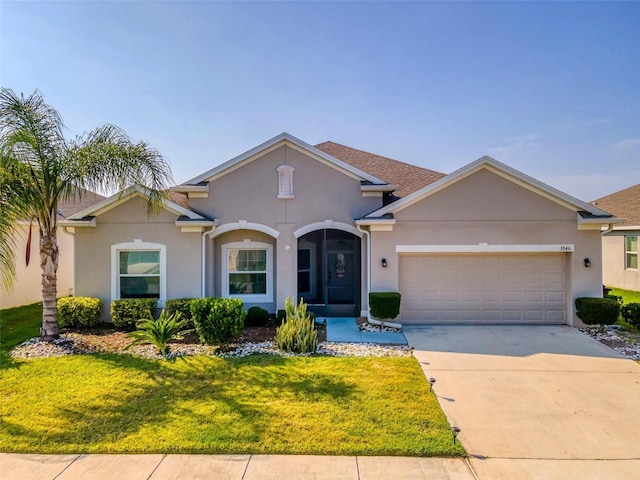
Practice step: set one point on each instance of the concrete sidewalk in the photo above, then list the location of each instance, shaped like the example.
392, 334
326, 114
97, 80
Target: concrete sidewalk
229, 467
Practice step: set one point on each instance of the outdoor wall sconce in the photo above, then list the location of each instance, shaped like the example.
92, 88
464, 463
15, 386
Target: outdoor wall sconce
587, 263
455, 431
384, 263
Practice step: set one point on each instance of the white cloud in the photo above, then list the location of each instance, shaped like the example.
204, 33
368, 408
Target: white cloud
517, 143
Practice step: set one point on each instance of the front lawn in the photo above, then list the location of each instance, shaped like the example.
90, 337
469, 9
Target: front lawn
628, 296
19, 324
256, 404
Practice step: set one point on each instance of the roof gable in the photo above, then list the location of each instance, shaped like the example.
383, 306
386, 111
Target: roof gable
272, 144
125, 195
624, 203
408, 178
502, 170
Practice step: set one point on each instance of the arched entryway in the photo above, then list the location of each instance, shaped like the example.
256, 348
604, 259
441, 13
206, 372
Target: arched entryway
329, 272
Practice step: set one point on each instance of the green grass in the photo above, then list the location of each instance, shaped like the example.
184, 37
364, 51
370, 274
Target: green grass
256, 404
19, 324
628, 296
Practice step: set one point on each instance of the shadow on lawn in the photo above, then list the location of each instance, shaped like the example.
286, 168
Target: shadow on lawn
194, 404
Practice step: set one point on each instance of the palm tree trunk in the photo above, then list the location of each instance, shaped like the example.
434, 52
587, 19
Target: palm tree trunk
49, 263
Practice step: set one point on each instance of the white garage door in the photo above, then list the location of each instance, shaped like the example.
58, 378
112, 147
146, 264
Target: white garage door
483, 288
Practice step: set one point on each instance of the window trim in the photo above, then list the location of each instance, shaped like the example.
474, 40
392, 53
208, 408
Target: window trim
630, 252
138, 245
247, 245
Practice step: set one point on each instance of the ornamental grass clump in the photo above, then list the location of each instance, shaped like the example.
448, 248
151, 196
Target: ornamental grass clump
158, 332
297, 333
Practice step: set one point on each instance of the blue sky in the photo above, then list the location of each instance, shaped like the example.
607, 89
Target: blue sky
552, 89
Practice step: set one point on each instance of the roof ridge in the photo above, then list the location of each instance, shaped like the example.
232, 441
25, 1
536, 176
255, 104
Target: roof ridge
616, 193
374, 154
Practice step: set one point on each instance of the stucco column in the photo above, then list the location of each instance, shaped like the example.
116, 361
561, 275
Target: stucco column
286, 264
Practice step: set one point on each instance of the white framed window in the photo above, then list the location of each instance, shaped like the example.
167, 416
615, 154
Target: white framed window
285, 181
631, 252
138, 270
247, 271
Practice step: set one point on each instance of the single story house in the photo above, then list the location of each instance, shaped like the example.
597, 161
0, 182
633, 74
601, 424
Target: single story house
620, 244
329, 223
27, 287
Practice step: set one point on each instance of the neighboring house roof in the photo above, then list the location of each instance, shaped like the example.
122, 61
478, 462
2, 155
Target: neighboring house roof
587, 213
276, 142
624, 204
408, 178
73, 205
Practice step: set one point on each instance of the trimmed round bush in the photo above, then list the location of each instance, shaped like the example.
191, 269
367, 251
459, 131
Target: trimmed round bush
127, 313
217, 319
597, 311
181, 306
79, 313
256, 317
631, 313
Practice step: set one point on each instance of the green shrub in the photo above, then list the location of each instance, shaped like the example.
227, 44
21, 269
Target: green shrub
631, 313
158, 332
181, 306
217, 319
297, 332
614, 297
256, 317
280, 316
597, 311
79, 312
127, 313
384, 305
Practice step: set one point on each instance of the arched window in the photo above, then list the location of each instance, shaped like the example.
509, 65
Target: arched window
285, 181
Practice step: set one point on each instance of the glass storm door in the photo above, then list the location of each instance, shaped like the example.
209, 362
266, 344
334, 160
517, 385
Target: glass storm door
329, 273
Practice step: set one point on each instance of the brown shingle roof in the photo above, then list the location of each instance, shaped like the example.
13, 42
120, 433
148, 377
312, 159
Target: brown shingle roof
407, 177
180, 199
74, 205
622, 204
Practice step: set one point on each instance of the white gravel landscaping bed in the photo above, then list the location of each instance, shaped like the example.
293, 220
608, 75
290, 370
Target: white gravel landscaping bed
70, 344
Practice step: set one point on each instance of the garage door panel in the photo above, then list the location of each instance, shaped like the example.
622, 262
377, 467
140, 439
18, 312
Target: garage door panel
487, 288
512, 297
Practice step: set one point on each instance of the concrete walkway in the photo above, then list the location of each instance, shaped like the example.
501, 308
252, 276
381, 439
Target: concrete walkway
228, 467
535, 402
347, 330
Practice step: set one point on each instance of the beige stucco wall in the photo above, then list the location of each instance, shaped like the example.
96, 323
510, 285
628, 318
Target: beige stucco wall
126, 223
486, 208
614, 273
27, 287
251, 193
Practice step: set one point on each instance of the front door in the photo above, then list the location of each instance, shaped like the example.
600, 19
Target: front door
329, 273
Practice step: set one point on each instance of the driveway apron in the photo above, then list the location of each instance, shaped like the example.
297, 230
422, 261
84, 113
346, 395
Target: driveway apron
535, 401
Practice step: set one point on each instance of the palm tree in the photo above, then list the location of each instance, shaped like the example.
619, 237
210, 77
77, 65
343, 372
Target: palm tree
39, 168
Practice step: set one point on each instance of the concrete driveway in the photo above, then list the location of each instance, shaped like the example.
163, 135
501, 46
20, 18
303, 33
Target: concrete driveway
535, 401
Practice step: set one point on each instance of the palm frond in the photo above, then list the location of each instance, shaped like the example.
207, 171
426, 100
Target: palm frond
106, 159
